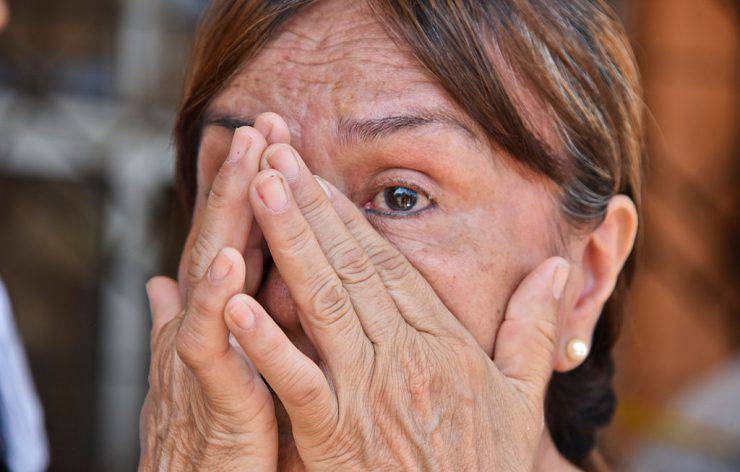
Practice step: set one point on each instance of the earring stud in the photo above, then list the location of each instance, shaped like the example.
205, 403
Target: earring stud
577, 350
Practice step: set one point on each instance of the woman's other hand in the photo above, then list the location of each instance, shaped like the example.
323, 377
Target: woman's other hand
207, 408
404, 385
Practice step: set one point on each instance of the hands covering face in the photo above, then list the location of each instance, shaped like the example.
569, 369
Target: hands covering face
402, 383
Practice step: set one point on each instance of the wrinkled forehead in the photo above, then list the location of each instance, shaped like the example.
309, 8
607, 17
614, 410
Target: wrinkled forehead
332, 61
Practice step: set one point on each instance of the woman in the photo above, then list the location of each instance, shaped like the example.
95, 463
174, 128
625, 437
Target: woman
446, 294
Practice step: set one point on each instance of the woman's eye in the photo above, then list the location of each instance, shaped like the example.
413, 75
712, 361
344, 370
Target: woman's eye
399, 201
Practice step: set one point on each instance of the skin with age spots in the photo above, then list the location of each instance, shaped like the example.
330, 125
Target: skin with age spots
337, 64
478, 237
492, 223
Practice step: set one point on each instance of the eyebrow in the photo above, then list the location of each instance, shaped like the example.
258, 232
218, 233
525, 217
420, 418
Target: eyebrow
363, 130
350, 130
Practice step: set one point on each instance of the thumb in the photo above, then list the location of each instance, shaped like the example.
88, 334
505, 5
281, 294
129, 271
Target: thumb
164, 302
525, 344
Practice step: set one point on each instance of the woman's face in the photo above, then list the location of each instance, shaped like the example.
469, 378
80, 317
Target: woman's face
364, 116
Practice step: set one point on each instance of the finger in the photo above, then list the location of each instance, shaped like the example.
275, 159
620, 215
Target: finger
203, 335
273, 128
374, 306
227, 217
202, 341
164, 302
324, 307
297, 380
229, 381
416, 300
525, 344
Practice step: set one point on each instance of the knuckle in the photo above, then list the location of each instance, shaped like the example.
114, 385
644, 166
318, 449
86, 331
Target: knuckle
418, 374
303, 386
351, 262
271, 349
251, 384
476, 366
202, 302
218, 197
330, 302
190, 346
202, 252
297, 237
393, 264
547, 331
314, 206
425, 375
161, 341
187, 349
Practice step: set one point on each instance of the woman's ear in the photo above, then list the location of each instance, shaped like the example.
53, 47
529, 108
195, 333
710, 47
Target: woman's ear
604, 252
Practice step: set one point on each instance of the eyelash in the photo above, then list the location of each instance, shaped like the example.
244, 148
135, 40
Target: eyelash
400, 214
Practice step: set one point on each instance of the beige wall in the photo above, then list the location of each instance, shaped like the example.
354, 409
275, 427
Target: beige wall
685, 316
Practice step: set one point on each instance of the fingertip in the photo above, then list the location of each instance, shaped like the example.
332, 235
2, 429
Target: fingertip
264, 124
251, 133
227, 257
283, 158
269, 194
525, 344
546, 282
161, 286
273, 127
149, 287
164, 300
158, 280
240, 313
232, 254
270, 149
246, 141
344, 207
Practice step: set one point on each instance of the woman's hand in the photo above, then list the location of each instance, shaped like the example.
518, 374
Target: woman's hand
207, 408
404, 384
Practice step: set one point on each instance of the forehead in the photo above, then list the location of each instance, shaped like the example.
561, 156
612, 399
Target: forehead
332, 60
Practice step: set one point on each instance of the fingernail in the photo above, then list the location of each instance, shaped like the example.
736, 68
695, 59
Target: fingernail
559, 278
242, 315
272, 192
219, 268
324, 186
239, 145
284, 161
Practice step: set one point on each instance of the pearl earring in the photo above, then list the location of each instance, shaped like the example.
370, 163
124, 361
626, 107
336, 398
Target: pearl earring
577, 350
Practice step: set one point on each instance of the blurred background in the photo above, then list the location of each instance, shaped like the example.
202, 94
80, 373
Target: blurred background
88, 91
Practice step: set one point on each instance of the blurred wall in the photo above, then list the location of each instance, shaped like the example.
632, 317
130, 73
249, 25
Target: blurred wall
88, 90
684, 320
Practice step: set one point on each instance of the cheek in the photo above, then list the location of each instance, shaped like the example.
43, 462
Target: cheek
475, 263
275, 298
476, 297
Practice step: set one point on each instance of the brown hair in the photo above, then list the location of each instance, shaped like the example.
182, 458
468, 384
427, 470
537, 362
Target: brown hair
571, 55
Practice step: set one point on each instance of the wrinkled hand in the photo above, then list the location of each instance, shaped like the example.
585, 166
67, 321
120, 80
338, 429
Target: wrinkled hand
207, 408
405, 385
